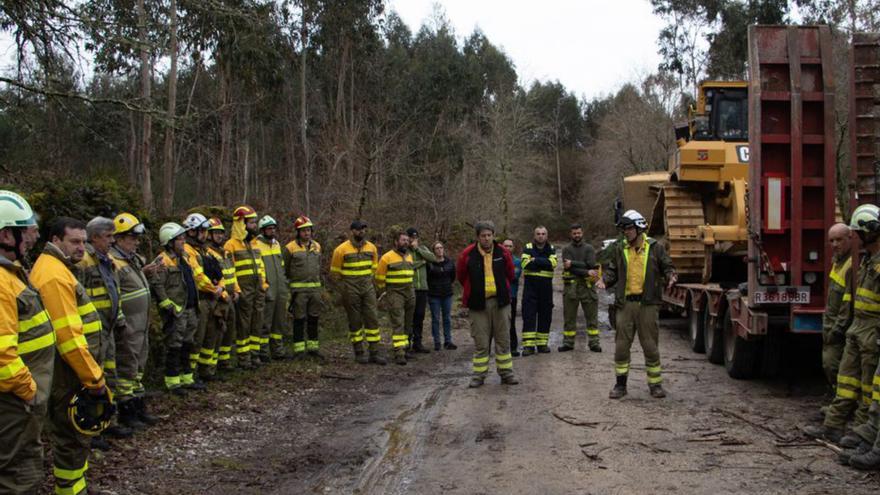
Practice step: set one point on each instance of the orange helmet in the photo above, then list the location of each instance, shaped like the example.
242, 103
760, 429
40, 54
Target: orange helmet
244, 212
302, 222
215, 224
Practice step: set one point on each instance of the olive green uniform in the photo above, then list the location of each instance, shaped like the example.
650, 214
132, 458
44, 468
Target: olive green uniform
133, 341
275, 316
638, 295
580, 292
355, 265
855, 376
836, 318
302, 263
27, 359
228, 320
249, 310
395, 273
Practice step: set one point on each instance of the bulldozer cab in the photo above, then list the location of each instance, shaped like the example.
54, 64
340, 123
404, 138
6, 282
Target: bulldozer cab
721, 112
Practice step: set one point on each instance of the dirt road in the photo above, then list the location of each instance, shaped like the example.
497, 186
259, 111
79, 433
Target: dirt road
419, 429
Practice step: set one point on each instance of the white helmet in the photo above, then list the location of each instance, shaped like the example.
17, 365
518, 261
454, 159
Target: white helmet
632, 217
15, 211
196, 221
169, 232
865, 218
267, 221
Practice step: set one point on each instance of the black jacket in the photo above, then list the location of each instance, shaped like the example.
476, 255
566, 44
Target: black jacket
441, 274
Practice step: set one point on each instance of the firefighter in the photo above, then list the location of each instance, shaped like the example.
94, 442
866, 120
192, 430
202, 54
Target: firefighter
133, 343
538, 263
207, 275
395, 272
178, 300
302, 262
636, 269
836, 318
78, 343
275, 315
421, 255
353, 264
855, 376
27, 352
580, 277
97, 272
251, 280
221, 321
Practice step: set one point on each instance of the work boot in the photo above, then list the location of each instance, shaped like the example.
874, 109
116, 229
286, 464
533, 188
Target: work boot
823, 432
400, 358
543, 349
316, 355
509, 380
128, 414
145, 417
197, 385
529, 351
845, 455
869, 461
476, 382
657, 391
100, 443
299, 356
118, 431
436, 346
450, 346
375, 358
515, 353
409, 353
850, 441
179, 391
564, 348
595, 347
619, 389
418, 348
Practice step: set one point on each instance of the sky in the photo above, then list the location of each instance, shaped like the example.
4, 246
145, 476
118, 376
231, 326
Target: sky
591, 46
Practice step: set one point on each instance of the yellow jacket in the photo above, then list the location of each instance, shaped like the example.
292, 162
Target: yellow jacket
395, 270
224, 257
194, 260
248, 263
27, 351
74, 317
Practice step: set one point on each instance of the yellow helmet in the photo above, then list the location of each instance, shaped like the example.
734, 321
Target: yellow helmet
126, 223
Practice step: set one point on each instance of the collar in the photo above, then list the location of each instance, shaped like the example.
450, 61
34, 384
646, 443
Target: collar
54, 251
484, 253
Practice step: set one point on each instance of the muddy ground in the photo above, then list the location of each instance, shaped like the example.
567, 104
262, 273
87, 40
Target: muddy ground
345, 428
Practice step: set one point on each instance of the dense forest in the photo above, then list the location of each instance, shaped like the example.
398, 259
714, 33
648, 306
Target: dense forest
337, 109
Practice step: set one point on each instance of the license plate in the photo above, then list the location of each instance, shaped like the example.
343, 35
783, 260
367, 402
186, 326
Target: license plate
784, 295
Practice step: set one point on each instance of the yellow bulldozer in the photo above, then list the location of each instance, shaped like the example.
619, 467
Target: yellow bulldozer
697, 207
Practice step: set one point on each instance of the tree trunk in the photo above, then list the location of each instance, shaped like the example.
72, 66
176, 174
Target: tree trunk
168, 165
225, 135
147, 125
304, 116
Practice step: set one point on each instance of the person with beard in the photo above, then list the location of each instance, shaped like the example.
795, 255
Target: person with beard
27, 352
252, 281
78, 343
275, 317
207, 276
637, 270
223, 317
353, 264
395, 273
580, 276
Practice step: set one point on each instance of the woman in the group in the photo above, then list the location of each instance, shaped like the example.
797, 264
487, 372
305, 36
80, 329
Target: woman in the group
441, 275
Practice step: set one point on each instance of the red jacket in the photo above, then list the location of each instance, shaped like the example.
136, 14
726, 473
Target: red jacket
470, 273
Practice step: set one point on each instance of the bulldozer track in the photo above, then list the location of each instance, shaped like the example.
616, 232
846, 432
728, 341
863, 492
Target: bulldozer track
682, 217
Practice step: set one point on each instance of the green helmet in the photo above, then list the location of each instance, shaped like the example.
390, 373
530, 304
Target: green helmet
267, 221
170, 231
15, 211
865, 218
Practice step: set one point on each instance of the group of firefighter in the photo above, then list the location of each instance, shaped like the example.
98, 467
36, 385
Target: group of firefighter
851, 337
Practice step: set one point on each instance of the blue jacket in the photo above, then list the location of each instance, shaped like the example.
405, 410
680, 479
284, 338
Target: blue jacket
517, 269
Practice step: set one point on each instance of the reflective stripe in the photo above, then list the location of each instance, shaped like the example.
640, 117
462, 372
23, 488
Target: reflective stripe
102, 304
91, 327
356, 264
97, 291
135, 294
847, 394
570, 333
8, 371
304, 285
34, 321
276, 336
847, 297
71, 474
244, 262
72, 344
66, 321
542, 273
848, 380
481, 360
78, 487
8, 341
109, 365
867, 306
506, 365
37, 343
86, 308
356, 273
869, 294
243, 273
480, 369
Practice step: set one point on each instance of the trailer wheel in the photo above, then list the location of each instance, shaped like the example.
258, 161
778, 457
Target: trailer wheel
695, 329
741, 356
713, 340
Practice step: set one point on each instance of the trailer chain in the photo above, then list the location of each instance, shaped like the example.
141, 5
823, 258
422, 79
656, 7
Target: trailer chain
765, 260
